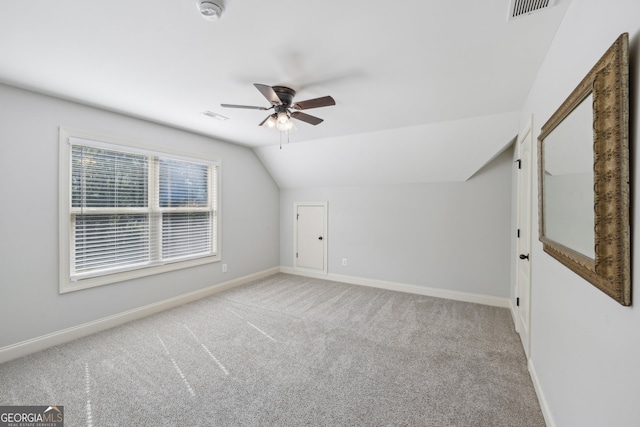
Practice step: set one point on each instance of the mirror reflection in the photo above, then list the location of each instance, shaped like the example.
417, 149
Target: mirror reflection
568, 181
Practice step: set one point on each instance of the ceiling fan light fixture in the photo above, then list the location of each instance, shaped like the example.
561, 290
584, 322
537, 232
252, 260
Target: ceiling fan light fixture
284, 122
284, 127
283, 118
211, 10
270, 123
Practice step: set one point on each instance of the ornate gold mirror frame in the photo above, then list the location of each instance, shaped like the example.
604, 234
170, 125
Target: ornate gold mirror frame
608, 265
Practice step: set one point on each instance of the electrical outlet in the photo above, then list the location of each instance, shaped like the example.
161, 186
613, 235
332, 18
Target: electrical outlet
344, 262
224, 268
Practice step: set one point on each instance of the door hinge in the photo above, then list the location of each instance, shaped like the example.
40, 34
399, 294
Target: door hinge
296, 254
519, 162
518, 233
297, 216
517, 302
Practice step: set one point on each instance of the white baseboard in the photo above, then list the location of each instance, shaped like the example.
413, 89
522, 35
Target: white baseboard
60, 337
403, 287
544, 406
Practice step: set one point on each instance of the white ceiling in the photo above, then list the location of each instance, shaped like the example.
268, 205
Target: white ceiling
414, 81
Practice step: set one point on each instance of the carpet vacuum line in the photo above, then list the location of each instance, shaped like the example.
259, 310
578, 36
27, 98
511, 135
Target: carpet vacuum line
215, 359
253, 326
175, 365
87, 388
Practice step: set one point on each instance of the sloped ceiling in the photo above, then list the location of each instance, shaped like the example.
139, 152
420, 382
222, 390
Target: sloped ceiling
425, 90
442, 152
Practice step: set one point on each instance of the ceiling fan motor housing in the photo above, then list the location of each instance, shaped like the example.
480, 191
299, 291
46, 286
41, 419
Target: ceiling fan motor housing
285, 94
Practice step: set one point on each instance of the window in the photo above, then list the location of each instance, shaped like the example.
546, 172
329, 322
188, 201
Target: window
128, 211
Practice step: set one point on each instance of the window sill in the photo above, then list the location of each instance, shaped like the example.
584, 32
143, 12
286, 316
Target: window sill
68, 285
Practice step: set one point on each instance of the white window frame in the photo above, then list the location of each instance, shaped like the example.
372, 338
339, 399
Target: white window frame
66, 283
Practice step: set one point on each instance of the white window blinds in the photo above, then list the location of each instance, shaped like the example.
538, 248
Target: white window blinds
185, 203
134, 209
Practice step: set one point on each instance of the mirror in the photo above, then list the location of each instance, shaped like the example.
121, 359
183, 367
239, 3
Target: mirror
583, 173
568, 181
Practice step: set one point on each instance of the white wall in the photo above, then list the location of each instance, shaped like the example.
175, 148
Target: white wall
30, 305
585, 347
453, 236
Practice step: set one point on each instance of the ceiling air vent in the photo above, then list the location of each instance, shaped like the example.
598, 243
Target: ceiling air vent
215, 116
520, 8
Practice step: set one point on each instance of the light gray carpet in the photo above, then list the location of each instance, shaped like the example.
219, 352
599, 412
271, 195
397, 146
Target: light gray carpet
290, 351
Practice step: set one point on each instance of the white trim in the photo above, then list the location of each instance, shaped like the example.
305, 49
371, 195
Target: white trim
408, 288
514, 316
33, 345
80, 281
136, 148
111, 140
325, 237
544, 405
525, 134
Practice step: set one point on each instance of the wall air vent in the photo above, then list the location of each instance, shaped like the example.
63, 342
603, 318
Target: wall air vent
521, 8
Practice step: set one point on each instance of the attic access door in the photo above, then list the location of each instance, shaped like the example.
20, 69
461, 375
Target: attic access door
310, 237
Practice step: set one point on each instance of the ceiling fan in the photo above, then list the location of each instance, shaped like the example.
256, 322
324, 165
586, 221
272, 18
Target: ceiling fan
281, 99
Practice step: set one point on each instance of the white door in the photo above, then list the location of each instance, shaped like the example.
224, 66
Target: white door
310, 237
523, 260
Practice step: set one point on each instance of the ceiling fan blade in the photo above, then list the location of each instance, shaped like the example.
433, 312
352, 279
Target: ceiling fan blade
269, 93
306, 118
324, 101
250, 107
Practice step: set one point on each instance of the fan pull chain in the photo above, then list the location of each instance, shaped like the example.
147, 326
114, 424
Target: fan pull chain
287, 132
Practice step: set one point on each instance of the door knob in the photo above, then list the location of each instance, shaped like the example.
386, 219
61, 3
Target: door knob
523, 256
320, 238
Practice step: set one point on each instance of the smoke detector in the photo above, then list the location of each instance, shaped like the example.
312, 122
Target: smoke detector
521, 8
211, 10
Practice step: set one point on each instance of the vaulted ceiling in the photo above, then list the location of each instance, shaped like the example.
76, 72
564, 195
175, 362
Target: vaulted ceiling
426, 91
